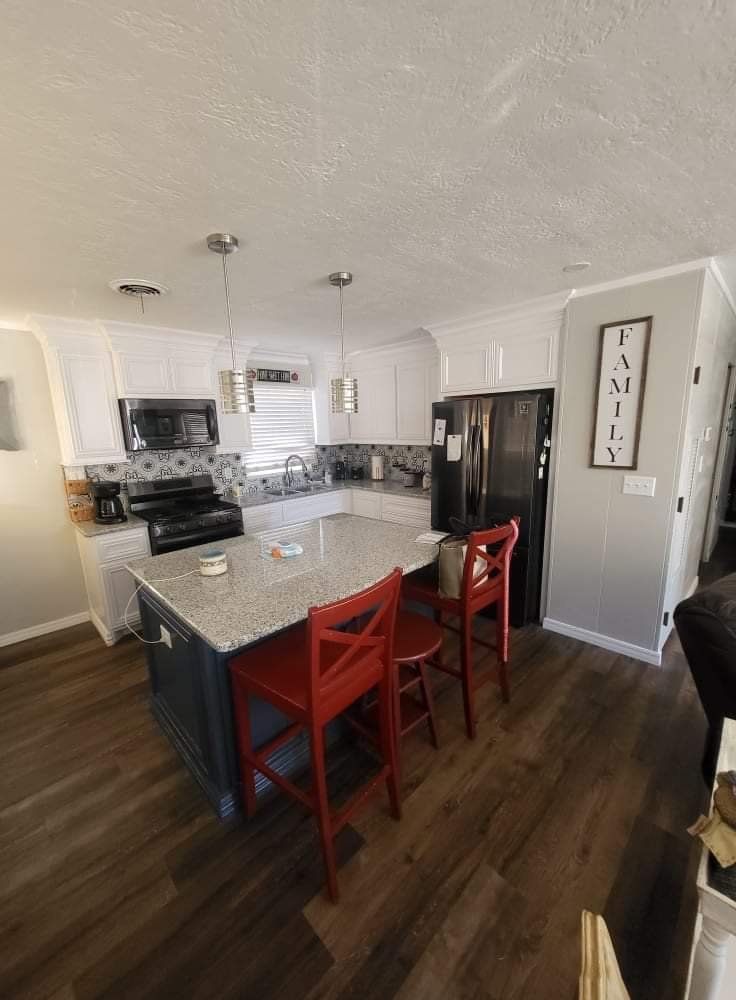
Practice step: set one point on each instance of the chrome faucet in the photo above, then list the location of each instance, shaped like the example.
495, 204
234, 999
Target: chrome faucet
289, 479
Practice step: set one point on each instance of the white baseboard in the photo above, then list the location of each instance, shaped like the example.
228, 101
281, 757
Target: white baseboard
105, 633
43, 629
605, 641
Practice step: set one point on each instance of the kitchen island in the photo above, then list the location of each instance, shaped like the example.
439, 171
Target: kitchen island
194, 624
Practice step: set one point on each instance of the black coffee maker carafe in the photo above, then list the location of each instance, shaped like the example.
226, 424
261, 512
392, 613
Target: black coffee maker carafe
108, 505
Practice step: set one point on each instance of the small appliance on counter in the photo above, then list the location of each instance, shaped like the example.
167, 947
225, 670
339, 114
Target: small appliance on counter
108, 505
377, 467
357, 472
340, 470
410, 477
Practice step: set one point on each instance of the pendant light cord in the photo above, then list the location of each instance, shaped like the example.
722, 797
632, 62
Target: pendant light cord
227, 307
342, 333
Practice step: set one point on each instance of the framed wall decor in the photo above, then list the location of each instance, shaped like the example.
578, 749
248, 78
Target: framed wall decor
622, 372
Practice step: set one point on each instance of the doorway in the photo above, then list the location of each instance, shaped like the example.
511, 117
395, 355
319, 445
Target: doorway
722, 509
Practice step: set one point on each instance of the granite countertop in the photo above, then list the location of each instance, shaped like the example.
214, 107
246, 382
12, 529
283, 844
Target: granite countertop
373, 486
261, 595
90, 528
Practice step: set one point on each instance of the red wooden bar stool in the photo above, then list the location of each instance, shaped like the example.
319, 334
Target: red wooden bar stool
417, 638
479, 590
312, 673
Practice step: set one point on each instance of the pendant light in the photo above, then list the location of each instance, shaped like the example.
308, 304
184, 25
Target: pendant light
236, 389
343, 390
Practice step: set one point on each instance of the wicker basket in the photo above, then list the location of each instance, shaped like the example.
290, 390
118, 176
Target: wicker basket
81, 510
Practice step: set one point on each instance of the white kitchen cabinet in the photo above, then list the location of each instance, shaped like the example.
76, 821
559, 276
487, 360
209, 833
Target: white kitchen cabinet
82, 391
521, 360
330, 428
312, 507
233, 428
511, 348
262, 518
375, 420
417, 387
413, 510
158, 362
466, 369
366, 504
412, 402
109, 584
160, 376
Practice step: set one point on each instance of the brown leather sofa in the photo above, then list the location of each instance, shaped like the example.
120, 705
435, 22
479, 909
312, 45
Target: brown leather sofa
706, 624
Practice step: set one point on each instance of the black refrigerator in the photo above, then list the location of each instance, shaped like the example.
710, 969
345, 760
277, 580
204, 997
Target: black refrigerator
490, 460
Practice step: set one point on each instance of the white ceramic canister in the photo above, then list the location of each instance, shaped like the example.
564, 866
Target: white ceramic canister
213, 563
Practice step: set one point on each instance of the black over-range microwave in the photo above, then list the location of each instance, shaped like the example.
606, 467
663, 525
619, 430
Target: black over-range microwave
168, 423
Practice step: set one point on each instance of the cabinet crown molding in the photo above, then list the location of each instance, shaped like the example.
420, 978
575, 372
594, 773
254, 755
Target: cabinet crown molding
49, 328
417, 347
151, 339
531, 315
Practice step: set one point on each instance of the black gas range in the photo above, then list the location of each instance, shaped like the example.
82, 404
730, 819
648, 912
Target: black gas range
184, 511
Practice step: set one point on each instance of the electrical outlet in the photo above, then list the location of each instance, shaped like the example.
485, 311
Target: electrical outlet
165, 637
640, 486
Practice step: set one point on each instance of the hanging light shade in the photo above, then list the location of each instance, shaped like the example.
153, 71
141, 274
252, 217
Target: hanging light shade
236, 389
343, 390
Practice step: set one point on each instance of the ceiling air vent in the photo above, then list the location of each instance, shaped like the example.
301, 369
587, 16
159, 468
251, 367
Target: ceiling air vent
138, 287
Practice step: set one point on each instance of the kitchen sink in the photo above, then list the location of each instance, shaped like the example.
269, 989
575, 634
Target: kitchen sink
314, 487
286, 491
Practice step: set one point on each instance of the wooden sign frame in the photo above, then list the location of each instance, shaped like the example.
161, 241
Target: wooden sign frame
619, 430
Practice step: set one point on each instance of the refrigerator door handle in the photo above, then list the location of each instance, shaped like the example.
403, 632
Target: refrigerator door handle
471, 471
478, 467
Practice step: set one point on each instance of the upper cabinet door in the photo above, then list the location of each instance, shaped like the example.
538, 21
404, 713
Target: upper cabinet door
375, 421
191, 377
412, 403
464, 369
142, 376
522, 359
87, 409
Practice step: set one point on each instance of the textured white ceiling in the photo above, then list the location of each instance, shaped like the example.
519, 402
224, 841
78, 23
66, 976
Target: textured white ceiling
453, 154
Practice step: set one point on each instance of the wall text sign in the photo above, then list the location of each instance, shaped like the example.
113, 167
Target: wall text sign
623, 369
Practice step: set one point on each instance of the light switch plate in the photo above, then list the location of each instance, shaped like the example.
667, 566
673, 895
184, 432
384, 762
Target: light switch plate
708, 433
640, 486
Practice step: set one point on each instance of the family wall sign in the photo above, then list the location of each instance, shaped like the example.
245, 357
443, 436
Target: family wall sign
623, 370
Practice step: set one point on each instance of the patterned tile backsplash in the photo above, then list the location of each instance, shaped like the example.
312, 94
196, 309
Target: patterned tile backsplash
228, 469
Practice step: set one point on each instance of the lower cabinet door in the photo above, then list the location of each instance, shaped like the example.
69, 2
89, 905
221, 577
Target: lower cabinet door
366, 504
414, 512
119, 588
262, 518
311, 508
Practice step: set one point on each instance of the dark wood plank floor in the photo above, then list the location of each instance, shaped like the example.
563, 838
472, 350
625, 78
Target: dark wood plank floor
117, 881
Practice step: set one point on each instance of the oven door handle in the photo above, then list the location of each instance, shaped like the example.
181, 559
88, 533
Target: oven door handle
198, 537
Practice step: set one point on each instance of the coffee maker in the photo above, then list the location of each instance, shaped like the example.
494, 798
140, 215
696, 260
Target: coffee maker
108, 505
340, 470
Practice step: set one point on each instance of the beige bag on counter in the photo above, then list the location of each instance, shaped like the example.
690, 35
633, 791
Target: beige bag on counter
452, 565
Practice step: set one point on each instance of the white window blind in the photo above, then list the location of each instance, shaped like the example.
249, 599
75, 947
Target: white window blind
282, 424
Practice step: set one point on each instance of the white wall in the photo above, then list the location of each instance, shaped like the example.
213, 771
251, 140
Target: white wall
609, 550
40, 572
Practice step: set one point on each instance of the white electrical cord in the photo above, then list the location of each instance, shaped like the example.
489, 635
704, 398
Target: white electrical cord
167, 579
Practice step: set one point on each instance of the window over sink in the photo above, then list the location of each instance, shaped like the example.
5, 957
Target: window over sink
283, 424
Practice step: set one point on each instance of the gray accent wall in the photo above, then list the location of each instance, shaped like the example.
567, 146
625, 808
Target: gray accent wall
608, 552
